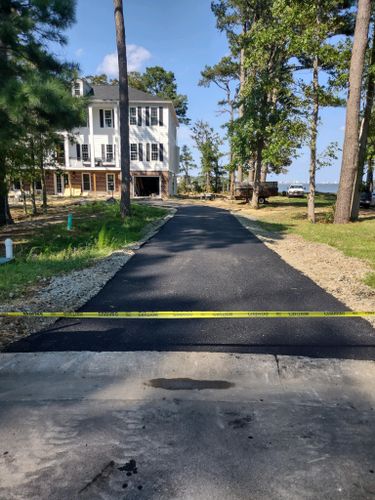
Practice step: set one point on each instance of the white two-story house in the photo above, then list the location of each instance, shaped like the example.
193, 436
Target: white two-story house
91, 162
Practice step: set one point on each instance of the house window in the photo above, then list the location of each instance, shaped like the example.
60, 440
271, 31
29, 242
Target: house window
107, 152
154, 152
161, 117
110, 155
60, 153
133, 116
133, 152
147, 116
108, 118
161, 152
16, 185
86, 182
77, 88
111, 186
38, 184
85, 152
154, 116
139, 110
147, 152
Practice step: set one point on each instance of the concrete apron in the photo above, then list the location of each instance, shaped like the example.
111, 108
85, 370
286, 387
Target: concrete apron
185, 425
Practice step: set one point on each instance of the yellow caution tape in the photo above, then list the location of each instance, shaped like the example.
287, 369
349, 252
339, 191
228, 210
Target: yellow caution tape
189, 314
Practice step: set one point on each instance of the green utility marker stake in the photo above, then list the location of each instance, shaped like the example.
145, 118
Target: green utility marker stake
70, 222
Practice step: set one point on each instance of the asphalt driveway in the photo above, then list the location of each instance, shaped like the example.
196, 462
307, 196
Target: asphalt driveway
203, 259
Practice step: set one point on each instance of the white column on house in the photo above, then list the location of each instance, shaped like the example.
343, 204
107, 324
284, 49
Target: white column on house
117, 137
92, 145
66, 150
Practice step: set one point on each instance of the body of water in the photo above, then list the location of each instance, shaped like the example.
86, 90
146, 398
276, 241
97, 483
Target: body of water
321, 188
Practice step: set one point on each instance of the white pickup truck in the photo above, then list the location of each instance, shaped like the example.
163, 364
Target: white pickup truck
296, 191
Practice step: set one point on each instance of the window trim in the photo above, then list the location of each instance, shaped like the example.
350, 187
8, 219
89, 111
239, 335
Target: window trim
133, 116
154, 117
154, 151
86, 152
134, 152
110, 111
114, 182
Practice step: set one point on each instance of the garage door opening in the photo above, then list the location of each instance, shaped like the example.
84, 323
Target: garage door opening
146, 186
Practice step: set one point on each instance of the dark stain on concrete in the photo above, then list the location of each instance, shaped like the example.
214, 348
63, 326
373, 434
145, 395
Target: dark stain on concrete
188, 384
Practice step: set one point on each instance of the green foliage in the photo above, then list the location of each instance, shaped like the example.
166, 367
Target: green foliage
186, 163
33, 79
208, 143
54, 249
101, 79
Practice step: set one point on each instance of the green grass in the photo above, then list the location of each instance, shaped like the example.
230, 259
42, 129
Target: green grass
357, 239
97, 231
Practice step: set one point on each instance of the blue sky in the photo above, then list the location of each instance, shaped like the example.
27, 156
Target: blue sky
181, 36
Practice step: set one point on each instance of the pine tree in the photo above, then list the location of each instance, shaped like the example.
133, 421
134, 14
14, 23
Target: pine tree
124, 108
349, 165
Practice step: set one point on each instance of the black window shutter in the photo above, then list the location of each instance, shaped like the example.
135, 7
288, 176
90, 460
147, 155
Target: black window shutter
147, 152
161, 116
140, 151
147, 116
103, 151
101, 116
161, 152
139, 117
78, 146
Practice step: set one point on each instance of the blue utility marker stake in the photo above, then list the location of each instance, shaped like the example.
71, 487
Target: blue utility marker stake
70, 222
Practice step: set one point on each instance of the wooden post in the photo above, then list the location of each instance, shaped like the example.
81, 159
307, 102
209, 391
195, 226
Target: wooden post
70, 184
94, 183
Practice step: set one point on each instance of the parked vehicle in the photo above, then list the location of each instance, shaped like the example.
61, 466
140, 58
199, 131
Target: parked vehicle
244, 191
366, 199
296, 191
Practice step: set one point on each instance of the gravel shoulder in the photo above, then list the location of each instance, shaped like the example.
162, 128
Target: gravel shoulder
67, 292
338, 274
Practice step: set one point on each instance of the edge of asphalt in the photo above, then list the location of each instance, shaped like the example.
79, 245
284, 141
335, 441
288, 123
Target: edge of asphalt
150, 375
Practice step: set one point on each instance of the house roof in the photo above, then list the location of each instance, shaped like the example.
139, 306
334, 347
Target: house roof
111, 93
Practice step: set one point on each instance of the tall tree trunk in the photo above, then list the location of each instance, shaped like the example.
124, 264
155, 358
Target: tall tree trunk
232, 174
232, 185
364, 133
351, 141
370, 175
263, 173
251, 174
208, 182
241, 109
5, 215
313, 141
257, 172
124, 108
34, 210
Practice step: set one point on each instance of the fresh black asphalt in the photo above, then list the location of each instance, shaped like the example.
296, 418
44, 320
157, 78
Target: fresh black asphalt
203, 259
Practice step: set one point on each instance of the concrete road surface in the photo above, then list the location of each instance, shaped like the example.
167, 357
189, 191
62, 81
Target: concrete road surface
187, 426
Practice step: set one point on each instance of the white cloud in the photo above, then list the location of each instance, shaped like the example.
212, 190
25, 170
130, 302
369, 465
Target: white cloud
137, 55
79, 52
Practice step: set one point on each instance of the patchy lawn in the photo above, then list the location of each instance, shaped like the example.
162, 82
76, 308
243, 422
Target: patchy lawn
289, 215
51, 249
